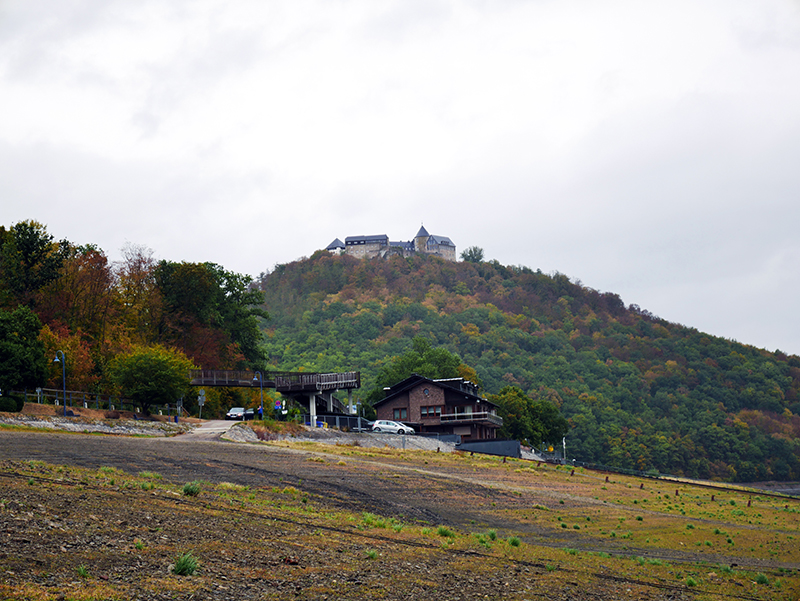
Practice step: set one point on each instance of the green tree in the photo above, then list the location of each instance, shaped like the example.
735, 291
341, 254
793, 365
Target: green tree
211, 313
423, 359
473, 254
530, 420
154, 375
22, 359
29, 260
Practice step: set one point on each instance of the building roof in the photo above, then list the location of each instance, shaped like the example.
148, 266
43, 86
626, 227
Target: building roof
335, 245
422, 232
382, 238
453, 387
440, 240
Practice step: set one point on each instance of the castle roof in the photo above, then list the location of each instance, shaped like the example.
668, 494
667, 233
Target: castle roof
440, 240
335, 245
422, 232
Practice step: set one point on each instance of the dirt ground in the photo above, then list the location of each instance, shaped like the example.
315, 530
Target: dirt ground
252, 544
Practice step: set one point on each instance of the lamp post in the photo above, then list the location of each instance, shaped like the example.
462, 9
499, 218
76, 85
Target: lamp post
261, 385
63, 376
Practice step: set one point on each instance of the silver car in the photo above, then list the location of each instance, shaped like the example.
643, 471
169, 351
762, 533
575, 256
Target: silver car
385, 425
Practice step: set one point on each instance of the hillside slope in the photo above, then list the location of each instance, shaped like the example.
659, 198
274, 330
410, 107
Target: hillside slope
639, 392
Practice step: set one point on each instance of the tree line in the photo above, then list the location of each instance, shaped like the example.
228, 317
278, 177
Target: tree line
133, 327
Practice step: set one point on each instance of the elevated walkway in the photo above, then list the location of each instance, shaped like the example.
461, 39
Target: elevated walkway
303, 387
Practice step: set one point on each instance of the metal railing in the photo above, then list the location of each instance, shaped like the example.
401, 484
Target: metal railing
483, 416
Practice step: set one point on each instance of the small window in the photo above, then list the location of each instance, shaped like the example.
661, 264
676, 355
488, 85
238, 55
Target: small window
400, 414
423, 411
438, 411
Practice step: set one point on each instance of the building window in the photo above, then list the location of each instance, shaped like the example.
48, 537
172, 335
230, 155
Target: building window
438, 411
423, 411
401, 414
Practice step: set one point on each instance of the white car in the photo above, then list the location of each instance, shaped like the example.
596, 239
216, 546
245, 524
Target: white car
384, 425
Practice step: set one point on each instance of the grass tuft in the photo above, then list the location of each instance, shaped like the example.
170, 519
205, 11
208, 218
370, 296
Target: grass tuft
185, 565
191, 489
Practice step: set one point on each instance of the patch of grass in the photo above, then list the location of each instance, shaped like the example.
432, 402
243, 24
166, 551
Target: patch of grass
82, 571
762, 579
191, 489
231, 486
150, 475
139, 545
444, 531
492, 534
185, 565
371, 554
514, 541
691, 581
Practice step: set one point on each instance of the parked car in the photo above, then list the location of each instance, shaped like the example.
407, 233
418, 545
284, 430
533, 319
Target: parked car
385, 425
249, 413
235, 413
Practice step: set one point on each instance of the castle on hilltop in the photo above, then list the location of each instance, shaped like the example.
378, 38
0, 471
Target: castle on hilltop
365, 247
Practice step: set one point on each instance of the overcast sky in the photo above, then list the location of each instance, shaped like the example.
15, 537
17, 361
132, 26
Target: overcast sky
650, 149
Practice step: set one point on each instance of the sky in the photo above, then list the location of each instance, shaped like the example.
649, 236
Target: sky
650, 149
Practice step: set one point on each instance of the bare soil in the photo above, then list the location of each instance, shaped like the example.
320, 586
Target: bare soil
92, 529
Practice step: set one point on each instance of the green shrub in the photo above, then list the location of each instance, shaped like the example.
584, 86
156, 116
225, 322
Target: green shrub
762, 579
691, 581
191, 489
185, 565
514, 541
11, 403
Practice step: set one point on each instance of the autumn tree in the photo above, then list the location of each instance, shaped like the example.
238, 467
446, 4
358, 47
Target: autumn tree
140, 300
84, 296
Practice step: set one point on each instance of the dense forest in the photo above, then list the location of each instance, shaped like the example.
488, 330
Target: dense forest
111, 321
638, 392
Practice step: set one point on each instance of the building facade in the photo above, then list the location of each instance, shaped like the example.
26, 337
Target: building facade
366, 247
451, 406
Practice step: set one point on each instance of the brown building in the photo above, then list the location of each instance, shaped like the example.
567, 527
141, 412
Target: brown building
450, 406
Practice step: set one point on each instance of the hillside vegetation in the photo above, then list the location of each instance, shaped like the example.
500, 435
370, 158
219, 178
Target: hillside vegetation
639, 392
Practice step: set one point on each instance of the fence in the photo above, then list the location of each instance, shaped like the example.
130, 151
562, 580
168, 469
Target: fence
78, 398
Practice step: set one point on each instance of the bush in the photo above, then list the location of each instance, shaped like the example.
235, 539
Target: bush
191, 489
12, 403
185, 565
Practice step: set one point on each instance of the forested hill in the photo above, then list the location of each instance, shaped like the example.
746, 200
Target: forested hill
638, 392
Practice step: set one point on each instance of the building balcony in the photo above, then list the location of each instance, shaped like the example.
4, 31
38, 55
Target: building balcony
471, 418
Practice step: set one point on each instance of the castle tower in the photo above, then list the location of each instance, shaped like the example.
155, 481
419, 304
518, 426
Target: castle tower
421, 240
